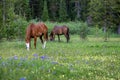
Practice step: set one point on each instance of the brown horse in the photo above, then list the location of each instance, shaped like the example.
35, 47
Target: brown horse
34, 31
59, 30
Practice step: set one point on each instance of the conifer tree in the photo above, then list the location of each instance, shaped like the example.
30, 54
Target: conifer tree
1, 20
22, 8
62, 11
45, 15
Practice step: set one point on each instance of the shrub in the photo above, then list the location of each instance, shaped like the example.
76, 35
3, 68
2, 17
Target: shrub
16, 29
83, 30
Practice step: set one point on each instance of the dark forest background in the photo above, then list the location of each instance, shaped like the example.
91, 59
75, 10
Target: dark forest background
16, 14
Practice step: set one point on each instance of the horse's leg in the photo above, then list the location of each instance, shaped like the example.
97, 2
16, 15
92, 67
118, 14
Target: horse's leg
43, 44
41, 39
35, 39
28, 44
67, 37
58, 37
53, 37
67, 34
45, 39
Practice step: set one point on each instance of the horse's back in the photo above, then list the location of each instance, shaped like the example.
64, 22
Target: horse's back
61, 29
36, 29
44, 29
29, 29
65, 28
42, 26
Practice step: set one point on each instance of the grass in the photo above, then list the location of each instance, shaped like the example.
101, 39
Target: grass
91, 59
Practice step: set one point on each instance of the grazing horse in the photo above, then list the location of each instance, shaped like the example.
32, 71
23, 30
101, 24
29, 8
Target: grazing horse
59, 30
34, 31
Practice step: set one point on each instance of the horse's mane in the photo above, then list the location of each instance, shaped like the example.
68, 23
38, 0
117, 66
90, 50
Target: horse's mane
41, 23
31, 25
29, 28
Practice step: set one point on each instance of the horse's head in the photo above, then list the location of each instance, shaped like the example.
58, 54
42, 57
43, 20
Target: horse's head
51, 36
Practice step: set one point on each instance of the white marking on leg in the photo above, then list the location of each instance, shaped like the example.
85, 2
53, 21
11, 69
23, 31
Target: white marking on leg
28, 46
44, 44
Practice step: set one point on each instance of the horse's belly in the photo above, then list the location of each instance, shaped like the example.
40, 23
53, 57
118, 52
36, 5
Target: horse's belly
39, 34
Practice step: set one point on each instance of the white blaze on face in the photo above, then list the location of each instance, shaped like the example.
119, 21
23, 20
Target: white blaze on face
28, 46
44, 44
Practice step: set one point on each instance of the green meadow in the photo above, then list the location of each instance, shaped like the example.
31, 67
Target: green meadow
91, 59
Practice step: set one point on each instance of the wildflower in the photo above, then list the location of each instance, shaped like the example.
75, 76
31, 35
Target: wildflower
20, 64
43, 57
54, 62
42, 67
3, 63
54, 72
22, 78
35, 55
15, 57
0, 57
10, 58
22, 59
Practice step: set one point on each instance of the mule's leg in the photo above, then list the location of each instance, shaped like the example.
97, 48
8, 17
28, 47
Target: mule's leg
35, 39
58, 37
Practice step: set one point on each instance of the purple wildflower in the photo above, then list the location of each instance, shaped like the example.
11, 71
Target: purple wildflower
20, 64
0, 57
54, 72
15, 57
43, 57
42, 67
22, 59
35, 55
54, 62
3, 63
22, 78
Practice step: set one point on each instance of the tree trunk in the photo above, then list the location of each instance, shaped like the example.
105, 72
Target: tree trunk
105, 30
3, 14
119, 29
78, 9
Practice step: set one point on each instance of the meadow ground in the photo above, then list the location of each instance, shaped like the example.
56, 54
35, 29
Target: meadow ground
91, 59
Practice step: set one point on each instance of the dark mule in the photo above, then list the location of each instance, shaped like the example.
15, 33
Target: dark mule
59, 30
34, 31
